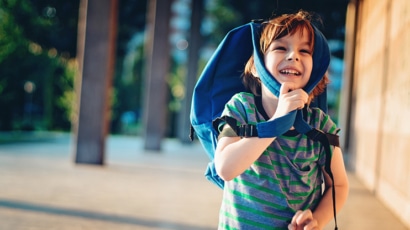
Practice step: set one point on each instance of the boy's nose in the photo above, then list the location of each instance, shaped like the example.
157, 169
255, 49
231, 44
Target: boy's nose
292, 56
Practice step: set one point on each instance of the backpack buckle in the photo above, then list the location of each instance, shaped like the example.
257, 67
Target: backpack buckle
247, 131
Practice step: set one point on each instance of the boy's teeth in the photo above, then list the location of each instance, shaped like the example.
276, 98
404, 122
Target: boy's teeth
289, 72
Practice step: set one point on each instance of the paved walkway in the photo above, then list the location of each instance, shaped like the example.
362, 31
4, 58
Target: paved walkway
41, 188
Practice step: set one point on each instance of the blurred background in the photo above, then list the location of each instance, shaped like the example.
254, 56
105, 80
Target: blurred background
104, 82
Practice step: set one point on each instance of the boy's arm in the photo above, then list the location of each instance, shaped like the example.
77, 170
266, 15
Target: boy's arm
323, 214
233, 155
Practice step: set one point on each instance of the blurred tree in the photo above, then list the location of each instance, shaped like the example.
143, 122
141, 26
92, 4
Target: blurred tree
128, 80
36, 41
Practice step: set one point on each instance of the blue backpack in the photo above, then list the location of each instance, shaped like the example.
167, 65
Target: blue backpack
220, 80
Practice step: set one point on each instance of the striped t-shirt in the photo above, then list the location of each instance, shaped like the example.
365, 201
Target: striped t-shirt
287, 177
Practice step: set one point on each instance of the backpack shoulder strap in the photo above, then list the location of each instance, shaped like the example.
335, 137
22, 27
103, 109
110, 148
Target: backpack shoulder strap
323, 138
333, 139
252, 131
240, 130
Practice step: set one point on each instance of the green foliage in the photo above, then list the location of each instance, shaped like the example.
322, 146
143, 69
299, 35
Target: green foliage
38, 45
32, 51
130, 58
66, 103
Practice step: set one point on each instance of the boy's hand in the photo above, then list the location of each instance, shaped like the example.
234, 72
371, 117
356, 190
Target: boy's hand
303, 220
290, 99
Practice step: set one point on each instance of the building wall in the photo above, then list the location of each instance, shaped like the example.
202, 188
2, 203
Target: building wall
378, 140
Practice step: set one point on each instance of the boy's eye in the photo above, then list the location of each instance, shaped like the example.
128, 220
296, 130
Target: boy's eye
279, 48
305, 51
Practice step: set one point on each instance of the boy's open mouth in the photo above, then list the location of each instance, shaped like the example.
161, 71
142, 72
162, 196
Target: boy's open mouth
290, 72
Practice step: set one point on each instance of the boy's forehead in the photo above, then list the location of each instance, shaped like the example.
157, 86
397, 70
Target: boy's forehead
302, 34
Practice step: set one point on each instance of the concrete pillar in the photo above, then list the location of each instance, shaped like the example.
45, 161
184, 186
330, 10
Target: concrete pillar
157, 70
346, 102
96, 57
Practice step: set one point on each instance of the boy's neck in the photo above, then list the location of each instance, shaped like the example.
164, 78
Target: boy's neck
269, 102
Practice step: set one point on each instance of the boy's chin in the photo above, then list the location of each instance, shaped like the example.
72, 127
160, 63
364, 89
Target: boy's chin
296, 84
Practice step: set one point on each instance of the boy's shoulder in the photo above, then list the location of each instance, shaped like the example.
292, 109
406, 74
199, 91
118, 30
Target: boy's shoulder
242, 104
314, 114
243, 97
319, 119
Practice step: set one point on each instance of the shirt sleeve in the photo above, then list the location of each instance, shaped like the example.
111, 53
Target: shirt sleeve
236, 109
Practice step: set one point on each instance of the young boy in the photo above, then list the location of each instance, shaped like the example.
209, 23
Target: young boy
276, 183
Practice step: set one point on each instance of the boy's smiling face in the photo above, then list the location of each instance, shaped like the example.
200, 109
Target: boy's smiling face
289, 59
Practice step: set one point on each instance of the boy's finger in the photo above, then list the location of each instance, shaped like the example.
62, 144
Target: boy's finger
286, 87
312, 225
304, 217
295, 217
